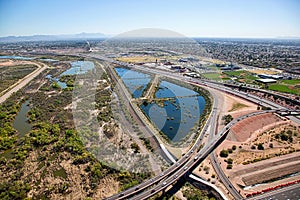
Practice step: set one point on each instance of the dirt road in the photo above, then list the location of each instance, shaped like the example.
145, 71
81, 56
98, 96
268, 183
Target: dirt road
22, 82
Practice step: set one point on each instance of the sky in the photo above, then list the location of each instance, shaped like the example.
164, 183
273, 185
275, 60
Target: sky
193, 18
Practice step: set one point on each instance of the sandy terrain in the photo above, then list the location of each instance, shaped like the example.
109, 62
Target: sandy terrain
243, 130
267, 71
252, 131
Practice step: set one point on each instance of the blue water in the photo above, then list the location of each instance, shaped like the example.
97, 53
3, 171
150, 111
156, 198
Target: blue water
136, 82
79, 67
48, 60
61, 84
177, 117
167, 90
16, 57
21, 124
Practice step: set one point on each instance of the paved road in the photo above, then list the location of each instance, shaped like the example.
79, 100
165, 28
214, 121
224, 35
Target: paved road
191, 158
21, 83
292, 193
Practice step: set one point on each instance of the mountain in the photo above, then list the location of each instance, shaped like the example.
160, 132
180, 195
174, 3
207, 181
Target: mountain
52, 37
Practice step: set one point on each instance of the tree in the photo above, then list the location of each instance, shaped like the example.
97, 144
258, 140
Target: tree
229, 166
224, 153
260, 146
227, 119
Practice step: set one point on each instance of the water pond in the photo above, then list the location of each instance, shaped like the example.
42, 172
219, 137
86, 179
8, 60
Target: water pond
136, 82
21, 121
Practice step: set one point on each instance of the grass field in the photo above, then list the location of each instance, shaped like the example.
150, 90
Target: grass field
242, 76
285, 88
212, 76
291, 82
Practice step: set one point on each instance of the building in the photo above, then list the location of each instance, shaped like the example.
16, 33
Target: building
266, 80
268, 76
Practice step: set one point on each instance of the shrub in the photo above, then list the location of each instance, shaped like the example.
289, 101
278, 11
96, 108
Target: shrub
271, 145
229, 161
224, 153
229, 166
260, 146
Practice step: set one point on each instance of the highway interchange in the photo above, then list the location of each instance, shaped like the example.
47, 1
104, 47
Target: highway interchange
196, 154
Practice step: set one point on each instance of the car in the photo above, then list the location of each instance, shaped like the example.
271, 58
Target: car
195, 158
161, 174
122, 194
185, 168
152, 191
164, 183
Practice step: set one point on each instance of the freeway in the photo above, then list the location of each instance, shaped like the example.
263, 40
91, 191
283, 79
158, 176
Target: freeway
185, 164
195, 158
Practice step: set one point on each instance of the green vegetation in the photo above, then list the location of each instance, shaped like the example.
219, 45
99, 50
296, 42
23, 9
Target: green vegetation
237, 106
192, 193
229, 166
68, 79
224, 153
260, 146
291, 82
147, 143
227, 119
284, 88
52, 148
11, 74
212, 76
242, 76
229, 161
285, 136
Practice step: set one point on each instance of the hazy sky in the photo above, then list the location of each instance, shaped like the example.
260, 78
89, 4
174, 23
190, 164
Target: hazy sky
210, 18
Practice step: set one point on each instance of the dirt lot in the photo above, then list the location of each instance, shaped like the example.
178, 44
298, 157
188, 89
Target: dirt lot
280, 156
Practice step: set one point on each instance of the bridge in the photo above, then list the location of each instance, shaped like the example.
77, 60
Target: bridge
195, 155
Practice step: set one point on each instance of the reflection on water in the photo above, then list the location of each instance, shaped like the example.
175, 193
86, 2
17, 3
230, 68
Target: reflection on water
61, 84
79, 67
16, 57
21, 122
175, 117
167, 90
135, 81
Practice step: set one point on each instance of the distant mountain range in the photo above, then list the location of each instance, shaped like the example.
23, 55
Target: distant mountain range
52, 37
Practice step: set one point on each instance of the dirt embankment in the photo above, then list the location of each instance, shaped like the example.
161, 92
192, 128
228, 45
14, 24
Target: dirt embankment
22, 82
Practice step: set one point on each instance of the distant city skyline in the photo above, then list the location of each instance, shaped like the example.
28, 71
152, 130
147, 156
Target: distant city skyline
216, 18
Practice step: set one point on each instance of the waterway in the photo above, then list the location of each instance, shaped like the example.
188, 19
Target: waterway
77, 67
21, 121
16, 57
